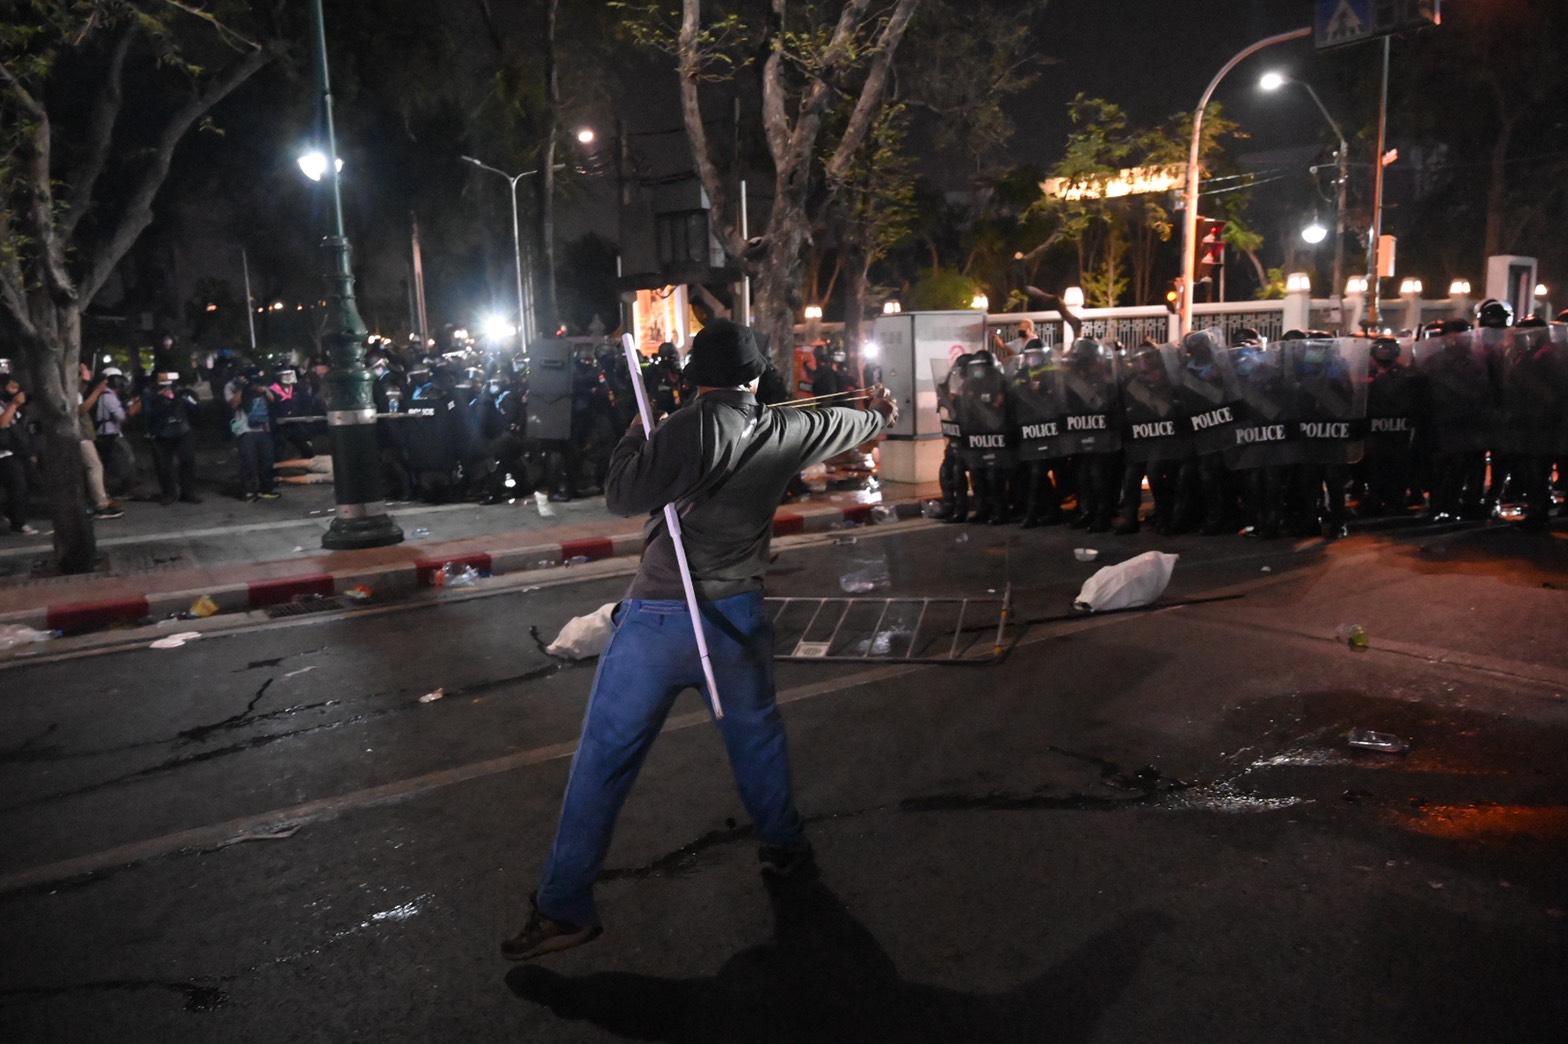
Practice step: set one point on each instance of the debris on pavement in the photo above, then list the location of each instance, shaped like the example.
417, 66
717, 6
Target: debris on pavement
419, 532
1353, 635
1085, 554
204, 607
455, 574
1385, 742
868, 576
275, 834
359, 593
583, 637
1137, 581
174, 641
21, 634
542, 502
431, 697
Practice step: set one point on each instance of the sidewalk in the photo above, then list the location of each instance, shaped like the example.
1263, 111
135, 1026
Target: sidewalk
159, 559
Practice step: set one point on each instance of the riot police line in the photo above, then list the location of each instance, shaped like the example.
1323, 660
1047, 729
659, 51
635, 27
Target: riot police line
494, 426
1266, 439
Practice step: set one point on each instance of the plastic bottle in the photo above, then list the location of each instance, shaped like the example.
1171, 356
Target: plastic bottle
1353, 635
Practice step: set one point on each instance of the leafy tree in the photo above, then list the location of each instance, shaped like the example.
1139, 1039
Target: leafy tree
81, 172
806, 59
1497, 164
942, 289
1118, 238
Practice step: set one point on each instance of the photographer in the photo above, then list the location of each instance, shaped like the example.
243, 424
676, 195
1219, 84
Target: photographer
14, 449
252, 402
169, 411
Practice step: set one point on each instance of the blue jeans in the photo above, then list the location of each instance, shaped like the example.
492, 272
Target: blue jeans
650, 659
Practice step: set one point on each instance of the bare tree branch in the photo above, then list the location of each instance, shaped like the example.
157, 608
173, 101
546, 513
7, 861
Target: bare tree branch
871, 95
689, 67
136, 214
39, 214
224, 32
99, 136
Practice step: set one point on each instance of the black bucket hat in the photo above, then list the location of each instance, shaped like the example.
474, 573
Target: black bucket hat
723, 355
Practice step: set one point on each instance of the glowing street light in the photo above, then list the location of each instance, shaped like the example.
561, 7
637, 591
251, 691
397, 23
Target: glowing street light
981, 303
1273, 81
1189, 223
313, 164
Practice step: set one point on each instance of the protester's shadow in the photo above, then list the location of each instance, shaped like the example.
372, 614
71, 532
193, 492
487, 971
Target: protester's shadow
825, 978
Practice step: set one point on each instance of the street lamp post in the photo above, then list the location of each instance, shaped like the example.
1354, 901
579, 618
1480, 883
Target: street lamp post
361, 519
1189, 224
1273, 81
524, 311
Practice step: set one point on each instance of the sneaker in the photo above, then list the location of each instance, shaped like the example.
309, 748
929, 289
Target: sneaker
783, 860
270, 494
249, 498
107, 512
542, 935
24, 530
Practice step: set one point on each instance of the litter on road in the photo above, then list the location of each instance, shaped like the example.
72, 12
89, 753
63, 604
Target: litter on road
1137, 581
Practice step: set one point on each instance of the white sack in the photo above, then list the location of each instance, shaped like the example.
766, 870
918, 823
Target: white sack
583, 637
1137, 581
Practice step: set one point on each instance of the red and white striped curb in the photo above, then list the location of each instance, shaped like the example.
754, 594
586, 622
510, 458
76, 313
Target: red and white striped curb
80, 617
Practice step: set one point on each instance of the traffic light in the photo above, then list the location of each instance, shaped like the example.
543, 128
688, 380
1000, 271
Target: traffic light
1211, 250
1173, 296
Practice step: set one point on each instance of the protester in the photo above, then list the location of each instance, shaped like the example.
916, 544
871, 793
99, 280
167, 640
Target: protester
725, 462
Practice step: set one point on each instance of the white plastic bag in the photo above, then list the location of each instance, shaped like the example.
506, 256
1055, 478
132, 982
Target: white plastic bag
583, 637
1137, 581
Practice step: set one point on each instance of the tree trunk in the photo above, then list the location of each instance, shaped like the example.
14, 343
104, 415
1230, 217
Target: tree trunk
552, 317
52, 400
856, 264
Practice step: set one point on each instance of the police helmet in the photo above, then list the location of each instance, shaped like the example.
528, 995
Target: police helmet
1385, 350
1198, 344
1083, 349
1532, 321
1246, 335
1494, 313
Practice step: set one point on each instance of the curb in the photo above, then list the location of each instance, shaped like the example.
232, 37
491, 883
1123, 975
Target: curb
70, 618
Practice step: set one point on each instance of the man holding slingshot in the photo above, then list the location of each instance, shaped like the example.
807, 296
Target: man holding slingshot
724, 462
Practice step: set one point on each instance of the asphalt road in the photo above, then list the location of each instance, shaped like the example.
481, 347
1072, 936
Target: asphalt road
1135, 826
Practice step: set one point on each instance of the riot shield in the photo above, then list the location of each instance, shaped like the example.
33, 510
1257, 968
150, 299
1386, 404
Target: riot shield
982, 414
1396, 396
1207, 392
947, 379
1266, 433
550, 390
431, 439
1091, 399
1154, 426
1328, 378
1535, 391
1036, 411
1461, 391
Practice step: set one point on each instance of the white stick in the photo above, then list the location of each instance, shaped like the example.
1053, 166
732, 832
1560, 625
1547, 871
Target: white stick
673, 521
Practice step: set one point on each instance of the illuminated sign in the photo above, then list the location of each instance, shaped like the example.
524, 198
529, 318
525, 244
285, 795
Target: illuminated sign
658, 316
1132, 181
